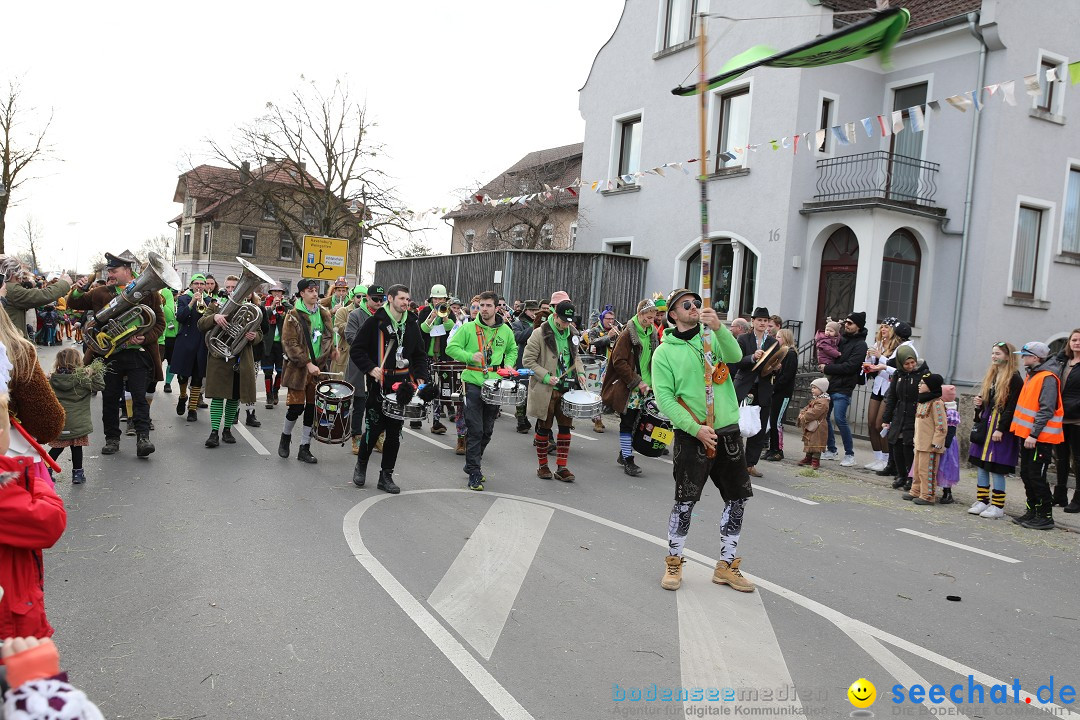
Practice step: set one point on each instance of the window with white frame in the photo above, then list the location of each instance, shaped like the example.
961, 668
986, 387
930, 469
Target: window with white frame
268, 211
573, 235
492, 238
187, 240
622, 248
286, 249
309, 217
734, 130
826, 119
1070, 238
1029, 227
206, 238
189, 207
680, 21
470, 238
629, 146
247, 242
518, 235
547, 235
1051, 73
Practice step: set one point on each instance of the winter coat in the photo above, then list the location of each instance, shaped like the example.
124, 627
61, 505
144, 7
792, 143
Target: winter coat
33, 403
356, 319
32, 517
74, 391
828, 348
376, 343
599, 341
271, 322
900, 403
99, 297
931, 426
814, 441
341, 320
220, 374
843, 373
20, 299
623, 373
294, 345
678, 371
1070, 389
189, 348
542, 357
523, 327
1001, 456
784, 379
747, 377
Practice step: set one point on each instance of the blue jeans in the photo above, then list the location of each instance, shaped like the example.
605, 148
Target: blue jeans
840, 404
985, 477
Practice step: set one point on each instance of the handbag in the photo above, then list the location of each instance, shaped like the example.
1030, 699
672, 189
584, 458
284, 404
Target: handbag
749, 420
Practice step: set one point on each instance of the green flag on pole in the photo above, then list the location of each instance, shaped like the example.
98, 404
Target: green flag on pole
876, 34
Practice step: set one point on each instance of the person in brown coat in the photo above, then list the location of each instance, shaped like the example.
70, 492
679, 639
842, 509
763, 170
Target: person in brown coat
228, 382
33, 402
628, 380
136, 363
812, 421
931, 427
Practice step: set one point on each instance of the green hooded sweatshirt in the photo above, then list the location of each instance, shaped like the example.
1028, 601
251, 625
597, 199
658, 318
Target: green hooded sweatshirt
168, 307
498, 341
678, 371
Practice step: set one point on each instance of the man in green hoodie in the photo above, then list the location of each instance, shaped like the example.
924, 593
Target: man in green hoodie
701, 452
484, 345
168, 338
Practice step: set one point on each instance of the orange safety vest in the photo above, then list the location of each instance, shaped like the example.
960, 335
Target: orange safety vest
1027, 406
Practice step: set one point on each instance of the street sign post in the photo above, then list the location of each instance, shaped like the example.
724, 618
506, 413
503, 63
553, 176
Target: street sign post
324, 257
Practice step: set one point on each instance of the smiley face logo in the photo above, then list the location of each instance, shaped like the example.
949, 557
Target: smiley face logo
862, 693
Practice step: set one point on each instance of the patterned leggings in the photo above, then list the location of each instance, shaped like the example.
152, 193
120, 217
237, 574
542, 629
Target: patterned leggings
730, 527
222, 409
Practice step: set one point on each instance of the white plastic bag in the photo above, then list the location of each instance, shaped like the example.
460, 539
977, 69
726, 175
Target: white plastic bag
749, 420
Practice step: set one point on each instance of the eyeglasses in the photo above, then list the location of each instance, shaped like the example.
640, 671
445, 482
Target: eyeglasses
687, 304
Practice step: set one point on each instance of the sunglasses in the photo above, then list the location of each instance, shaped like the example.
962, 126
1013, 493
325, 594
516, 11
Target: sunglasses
687, 304
1001, 344
377, 298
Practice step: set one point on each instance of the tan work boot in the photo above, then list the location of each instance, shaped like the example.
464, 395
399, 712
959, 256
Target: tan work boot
460, 448
672, 578
598, 425
379, 441
731, 575
355, 444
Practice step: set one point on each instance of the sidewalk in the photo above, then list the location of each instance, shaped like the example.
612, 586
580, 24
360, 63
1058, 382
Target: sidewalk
964, 492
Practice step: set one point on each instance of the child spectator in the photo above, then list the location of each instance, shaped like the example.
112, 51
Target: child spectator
812, 422
931, 428
827, 342
949, 474
74, 385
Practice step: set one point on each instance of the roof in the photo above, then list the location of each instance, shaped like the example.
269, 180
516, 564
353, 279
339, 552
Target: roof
923, 12
558, 166
219, 184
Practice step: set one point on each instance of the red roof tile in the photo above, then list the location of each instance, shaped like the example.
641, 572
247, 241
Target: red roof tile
923, 12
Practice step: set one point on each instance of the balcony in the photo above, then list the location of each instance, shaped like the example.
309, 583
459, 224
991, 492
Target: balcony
876, 179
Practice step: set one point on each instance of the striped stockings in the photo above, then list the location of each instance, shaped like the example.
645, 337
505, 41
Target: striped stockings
220, 407
562, 447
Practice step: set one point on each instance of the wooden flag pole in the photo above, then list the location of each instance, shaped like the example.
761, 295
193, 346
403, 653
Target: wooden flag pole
706, 245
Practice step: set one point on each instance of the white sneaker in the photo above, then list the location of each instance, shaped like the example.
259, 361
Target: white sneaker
872, 465
848, 461
993, 512
828, 455
876, 466
977, 508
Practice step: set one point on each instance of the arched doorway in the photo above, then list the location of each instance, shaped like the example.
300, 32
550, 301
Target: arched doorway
839, 267
900, 271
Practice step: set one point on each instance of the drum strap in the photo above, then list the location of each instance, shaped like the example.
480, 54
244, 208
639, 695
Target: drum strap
483, 350
687, 408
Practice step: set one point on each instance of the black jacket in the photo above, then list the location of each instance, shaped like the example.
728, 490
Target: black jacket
376, 338
747, 378
900, 404
843, 373
784, 379
523, 327
1070, 390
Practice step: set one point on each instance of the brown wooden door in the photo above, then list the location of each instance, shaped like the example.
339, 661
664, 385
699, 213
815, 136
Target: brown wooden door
839, 271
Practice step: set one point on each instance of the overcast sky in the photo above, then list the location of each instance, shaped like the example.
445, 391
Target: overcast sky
460, 91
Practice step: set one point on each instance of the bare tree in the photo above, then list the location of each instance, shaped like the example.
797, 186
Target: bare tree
415, 248
33, 236
309, 163
19, 148
163, 245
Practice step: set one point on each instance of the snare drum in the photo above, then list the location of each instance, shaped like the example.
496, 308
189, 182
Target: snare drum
653, 432
581, 404
415, 409
447, 377
333, 412
593, 369
504, 392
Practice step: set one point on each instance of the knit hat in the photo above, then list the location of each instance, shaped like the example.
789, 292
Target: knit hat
903, 354
821, 384
558, 296
360, 290
902, 330
834, 326
565, 310
197, 277
859, 318
933, 382
948, 393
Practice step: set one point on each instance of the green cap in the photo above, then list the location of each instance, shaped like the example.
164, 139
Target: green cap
197, 277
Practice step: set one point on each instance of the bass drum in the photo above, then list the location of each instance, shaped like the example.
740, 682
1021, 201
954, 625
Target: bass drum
333, 412
653, 431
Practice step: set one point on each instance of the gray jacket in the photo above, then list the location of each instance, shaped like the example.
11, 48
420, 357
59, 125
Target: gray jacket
1048, 398
20, 299
353, 374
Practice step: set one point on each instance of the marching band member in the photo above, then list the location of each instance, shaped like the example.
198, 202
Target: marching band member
228, 382
678, 372
600, 339
484, 345
372, 299
338, 297
523, 328
274, 308
307, 341
189, 352
553, 358
135, 363
168, 338
436, 333
389, 350
341, 322
628, 380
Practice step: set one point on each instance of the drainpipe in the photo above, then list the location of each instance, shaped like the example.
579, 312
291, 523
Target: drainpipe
973, 26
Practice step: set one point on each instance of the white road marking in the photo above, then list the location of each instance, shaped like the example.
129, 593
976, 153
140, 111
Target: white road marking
477, 593
726, 640
425, 438
252, 440
504, 703
804, 501
943, 541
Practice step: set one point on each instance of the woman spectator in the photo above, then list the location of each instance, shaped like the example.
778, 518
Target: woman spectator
33, 403
1070, 400
881, 367
994, 449
786, 360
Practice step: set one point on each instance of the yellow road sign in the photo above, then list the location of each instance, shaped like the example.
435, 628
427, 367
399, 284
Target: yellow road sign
324, 257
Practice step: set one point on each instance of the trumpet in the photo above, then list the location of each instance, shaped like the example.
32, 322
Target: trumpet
442, 310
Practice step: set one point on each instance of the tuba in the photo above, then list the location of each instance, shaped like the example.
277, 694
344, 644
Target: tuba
110, 328
227, 342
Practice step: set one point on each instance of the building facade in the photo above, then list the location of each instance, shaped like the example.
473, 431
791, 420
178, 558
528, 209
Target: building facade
879, 225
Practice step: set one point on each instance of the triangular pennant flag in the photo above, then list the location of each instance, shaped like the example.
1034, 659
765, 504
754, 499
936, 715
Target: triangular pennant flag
1008, 92
885, 125
959, 102
1031, 82
974, 95
849, 130
753, 147
916, 115
775, 144
838, 133
595, 185
934, 105
1051, 74
610, 185
1074, 72
868, 126
739, 150
628, 178
819, 138
785, 143
572, 191
660, 171
991, 89
898, 122
795, 142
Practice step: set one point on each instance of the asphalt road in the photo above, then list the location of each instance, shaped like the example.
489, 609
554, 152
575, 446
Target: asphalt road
230, 583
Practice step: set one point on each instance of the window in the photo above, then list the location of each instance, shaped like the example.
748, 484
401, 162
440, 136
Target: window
189, 207
268, 211
899, 291
547, 235
187, 240
518, 235
1046, 87
629, 146
286, 249
309, 217
573, 235
470, 238
206, 238
1070, 240
492, 239
680, 23
247, 242
734, 126
523, 186
619, 248
824, 123
723, 273
1025, 260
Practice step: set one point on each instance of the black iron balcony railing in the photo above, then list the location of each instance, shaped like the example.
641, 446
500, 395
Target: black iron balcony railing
878, 175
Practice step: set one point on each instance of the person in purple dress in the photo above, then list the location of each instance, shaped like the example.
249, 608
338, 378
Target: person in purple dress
949, 470
994, 449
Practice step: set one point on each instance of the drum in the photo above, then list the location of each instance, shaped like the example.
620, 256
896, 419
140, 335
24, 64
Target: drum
504, 392
415, 409
593, 367
653, 432
447, 377
581, 404
333, 412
